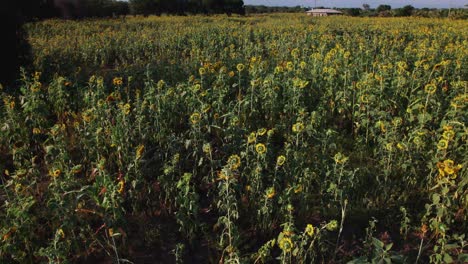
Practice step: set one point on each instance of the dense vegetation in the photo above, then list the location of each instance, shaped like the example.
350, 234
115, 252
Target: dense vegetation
280, 138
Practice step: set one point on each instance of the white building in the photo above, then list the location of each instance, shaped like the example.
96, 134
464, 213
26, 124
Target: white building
323, 12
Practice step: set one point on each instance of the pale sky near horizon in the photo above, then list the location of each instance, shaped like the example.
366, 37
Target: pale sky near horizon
359, 3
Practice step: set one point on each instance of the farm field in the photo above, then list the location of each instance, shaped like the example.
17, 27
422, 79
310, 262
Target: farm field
212, 139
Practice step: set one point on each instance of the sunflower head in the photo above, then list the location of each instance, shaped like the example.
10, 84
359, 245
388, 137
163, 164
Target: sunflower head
430, 88
251, 138
261, 132
280, 160
298, 127
309, 230
285, 244
270, 192
234, 162
121, 186
195, 118
442, 145
260, 148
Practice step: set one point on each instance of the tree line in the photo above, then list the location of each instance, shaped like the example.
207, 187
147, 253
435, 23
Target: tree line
110, 8
408, 10
367, 11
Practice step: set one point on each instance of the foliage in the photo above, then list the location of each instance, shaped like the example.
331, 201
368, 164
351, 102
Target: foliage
237, 139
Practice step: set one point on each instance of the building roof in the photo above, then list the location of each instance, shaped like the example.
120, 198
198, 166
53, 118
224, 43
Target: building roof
328, 11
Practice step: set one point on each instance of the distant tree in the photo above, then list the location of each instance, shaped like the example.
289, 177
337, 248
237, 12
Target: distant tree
404, 11
144, 7
366, 7
353, 11
234, 6
382, 8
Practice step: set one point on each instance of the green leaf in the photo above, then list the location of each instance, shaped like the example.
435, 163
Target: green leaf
389, 246
463, 258
448, 258
377, 243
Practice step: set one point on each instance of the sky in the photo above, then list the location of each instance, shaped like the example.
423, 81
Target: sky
358, 3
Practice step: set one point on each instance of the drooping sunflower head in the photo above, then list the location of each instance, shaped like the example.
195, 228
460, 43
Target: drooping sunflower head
340, 158
261, 132
270, 192
139, 151
207, 148
298, 127
121, 186
251, 138
309, 230
280, 160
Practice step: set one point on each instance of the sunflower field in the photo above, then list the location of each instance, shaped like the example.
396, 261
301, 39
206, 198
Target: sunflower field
215, 139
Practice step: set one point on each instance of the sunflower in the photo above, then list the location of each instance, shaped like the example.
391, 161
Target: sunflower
280, 160
202, 71
117, 81
448, 134
447, 127
309, 230
303, 65
61, 233
207, 148
240, 67
195, 118
55, 173
126, 109
260, 148
448, 168
364, 98
206, 108
251, 138
270, 192
340, 158
332, 226
234, 162
121, 186
295, 53
286, 244
139, 151
442, 145
418, 141
401, 146
298, 127
430, 88
298, 188
196, 88
389, 147
36, 87
261, 132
